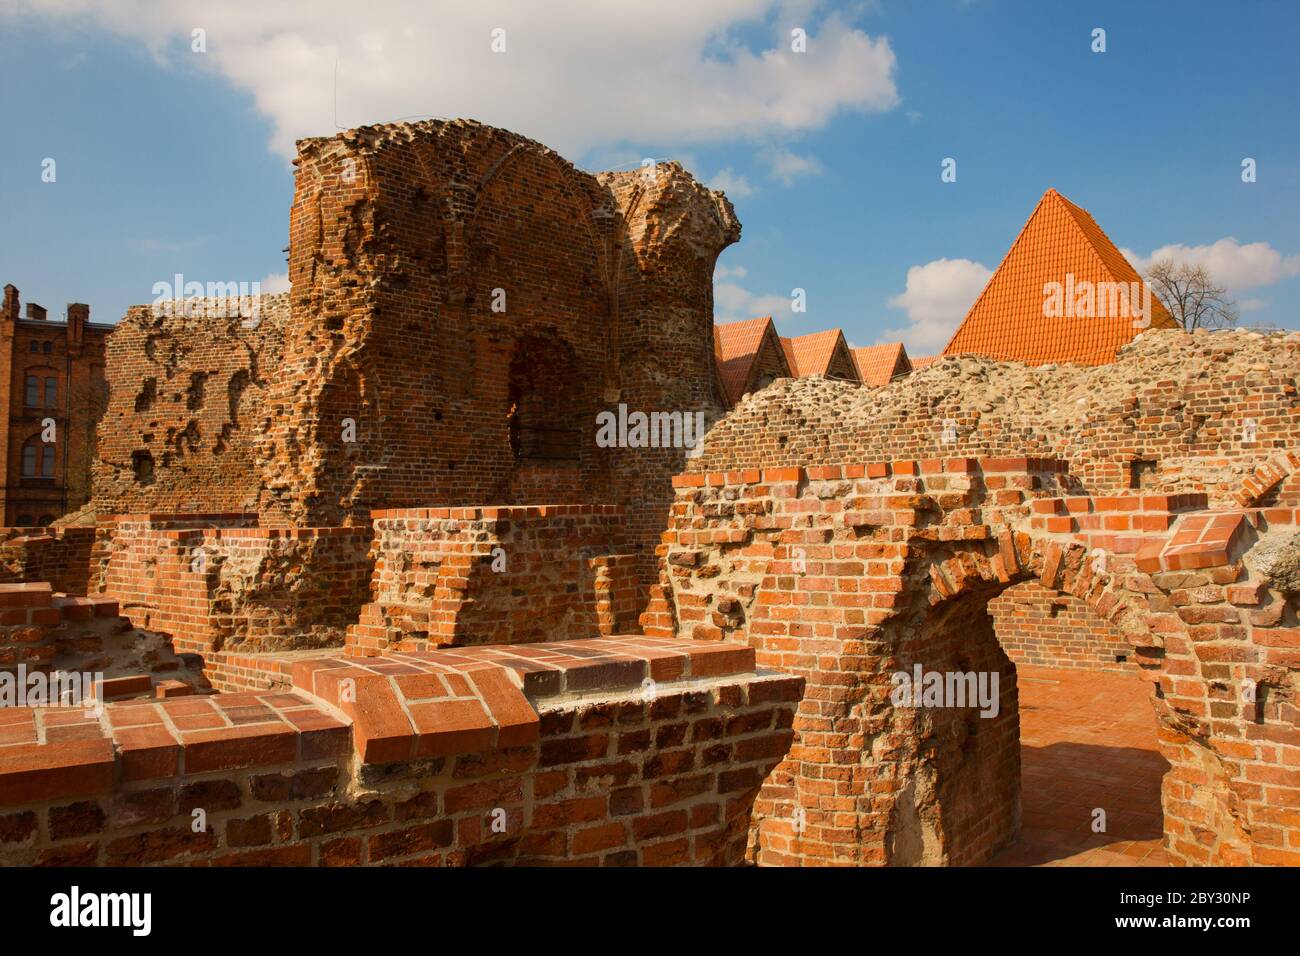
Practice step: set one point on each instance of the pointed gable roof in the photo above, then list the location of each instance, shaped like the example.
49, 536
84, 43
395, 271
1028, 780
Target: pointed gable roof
820, 353
923, 361
738, 346
880, 364
1060, 243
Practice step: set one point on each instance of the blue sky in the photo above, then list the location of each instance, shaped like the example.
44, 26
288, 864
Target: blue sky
170, 160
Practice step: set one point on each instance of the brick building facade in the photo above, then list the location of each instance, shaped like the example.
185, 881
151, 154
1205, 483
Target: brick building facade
55, 395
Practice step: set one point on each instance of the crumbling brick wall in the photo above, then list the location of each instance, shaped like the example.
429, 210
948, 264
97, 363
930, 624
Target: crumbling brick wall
472, 301
1175, 412
464, 303
60, 556
850, 575
188, 394
219, 582
510, 575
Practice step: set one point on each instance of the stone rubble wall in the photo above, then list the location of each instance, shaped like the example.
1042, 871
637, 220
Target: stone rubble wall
1198, 411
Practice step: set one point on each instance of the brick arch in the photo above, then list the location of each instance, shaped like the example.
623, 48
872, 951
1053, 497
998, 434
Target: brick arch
843, 575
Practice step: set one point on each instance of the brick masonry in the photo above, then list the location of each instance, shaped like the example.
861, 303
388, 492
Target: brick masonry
1050, 628
508, 575
846, 575
464, 303
638, 752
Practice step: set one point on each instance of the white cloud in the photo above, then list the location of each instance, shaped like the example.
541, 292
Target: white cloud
575, 75
787, 166
729, 272
275, 282
1229, 263
736, 186
937, 298
732, 302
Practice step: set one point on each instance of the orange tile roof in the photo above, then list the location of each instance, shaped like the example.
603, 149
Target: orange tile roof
1060, 243
735, 346
878, 364
811, 354
922, 361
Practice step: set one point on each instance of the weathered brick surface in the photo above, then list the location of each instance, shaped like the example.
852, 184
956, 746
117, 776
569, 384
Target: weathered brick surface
465, 302
848, 575
273, 779
215, 582
1175, 412
60, 556
188, 390
496, 576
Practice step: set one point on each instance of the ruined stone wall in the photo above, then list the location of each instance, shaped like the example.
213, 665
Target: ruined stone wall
471, 301
1175, 412
218, 582
848, 575
515, 575
188, 393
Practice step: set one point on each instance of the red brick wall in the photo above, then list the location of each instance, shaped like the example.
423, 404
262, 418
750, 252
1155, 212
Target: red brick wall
1054, 629
507, 575
400, 238
215, 582
1181, 402
188, 395
631, 778
846, 575
60, 556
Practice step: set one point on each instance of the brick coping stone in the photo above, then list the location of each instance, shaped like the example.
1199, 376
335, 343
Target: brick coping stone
391, 708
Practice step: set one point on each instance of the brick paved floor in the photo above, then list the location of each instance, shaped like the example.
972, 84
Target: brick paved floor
1087, 739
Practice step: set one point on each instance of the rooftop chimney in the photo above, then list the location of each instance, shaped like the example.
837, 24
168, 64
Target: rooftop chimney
78, 316
35, 312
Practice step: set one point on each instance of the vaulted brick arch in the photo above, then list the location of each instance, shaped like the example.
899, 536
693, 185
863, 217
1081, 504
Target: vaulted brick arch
849, 575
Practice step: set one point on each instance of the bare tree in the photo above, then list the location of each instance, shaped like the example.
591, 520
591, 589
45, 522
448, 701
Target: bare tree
1191, 296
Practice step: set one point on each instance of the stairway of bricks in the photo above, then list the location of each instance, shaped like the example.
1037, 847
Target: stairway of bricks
45, 631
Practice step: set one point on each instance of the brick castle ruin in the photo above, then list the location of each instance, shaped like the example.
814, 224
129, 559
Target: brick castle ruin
362, 587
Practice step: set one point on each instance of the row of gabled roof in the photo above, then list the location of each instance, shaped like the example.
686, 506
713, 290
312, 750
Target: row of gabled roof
750, 354
1060, 245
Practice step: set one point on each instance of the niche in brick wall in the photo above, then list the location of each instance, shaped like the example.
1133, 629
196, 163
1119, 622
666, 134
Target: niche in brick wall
1141, 473
142, 466
545, 406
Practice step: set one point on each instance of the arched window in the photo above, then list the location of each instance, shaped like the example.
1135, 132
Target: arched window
33, 397
45, 520
47, 347
35, 346
51, 392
